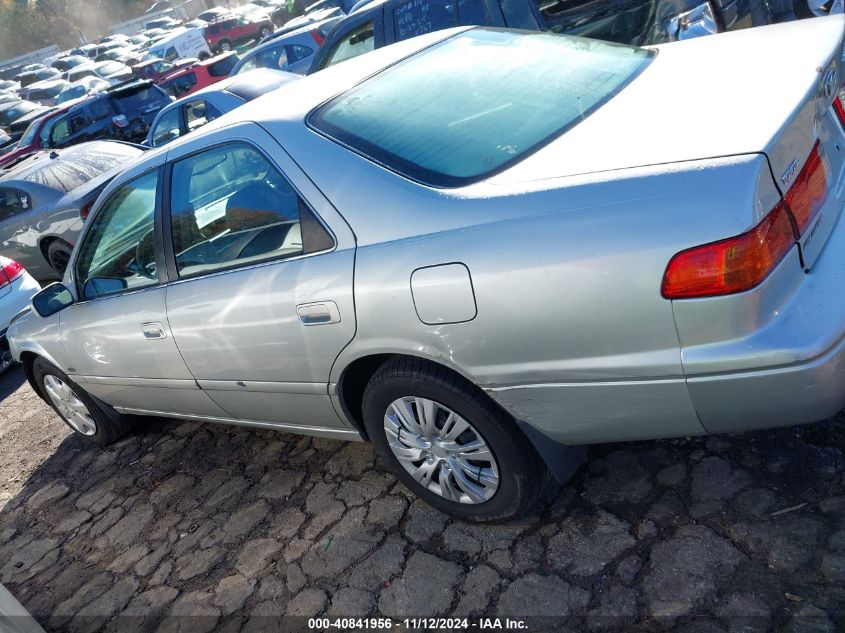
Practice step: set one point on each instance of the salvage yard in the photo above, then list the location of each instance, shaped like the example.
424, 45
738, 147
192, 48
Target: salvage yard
238, 527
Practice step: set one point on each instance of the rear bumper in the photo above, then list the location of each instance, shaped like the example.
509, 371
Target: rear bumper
790, 371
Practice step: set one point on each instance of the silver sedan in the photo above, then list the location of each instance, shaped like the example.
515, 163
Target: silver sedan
480, 250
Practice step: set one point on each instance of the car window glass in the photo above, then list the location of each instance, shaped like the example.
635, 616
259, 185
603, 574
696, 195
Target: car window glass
100, 109
59, 132
171, 54
12, 202
273, 58
230, 206
299, 52
250, 64
118, 251
223, 67
417, 17
357, 42
473, 12
167, 129
197, 114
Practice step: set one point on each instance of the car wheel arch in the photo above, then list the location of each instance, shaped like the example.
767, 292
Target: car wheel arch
358, 372
28, 361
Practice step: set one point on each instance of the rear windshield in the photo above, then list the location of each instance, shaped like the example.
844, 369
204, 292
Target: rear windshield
477, 102
75, 168
223, 67
131, 101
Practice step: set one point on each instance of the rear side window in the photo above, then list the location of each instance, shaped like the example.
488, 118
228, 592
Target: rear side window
12, 202
418, 17
477, 102
299, 52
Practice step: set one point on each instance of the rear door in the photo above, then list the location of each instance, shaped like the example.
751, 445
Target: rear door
117, 332
262, 303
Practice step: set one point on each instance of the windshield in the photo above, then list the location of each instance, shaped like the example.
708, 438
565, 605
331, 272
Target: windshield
109, 68
29, 136
468, 107
68, 94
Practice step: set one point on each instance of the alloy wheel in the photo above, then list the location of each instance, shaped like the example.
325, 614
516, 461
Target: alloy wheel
69, 405
441, 450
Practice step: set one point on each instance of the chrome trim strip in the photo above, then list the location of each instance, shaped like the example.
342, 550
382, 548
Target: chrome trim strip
310, 388
162, 383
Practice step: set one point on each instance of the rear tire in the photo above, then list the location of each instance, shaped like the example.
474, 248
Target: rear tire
90, 419
58, 254
503, 483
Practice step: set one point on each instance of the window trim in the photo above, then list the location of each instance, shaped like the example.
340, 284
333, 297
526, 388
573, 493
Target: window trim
162, 277
167, 228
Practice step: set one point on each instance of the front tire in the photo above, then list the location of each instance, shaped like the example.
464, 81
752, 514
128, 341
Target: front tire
224, 47
95, 422
265, 31
448, 443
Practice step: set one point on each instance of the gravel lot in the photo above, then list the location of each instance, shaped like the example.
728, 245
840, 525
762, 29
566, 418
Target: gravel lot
239, 527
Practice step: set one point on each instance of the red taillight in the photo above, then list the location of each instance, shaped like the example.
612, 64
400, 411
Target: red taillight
732, 265
11, 271
839, 108
809, 192
85, 211
317, 37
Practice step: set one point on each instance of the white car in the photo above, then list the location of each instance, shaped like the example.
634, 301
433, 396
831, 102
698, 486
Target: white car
111, 71
81, 88
16, 290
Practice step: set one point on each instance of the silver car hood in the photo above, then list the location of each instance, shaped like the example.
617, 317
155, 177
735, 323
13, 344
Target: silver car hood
720, 95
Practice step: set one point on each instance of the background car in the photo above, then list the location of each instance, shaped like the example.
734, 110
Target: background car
17, 287
324, 19
31, 77
8, 97
226, 32
180, 43
36, 135
213, 14
122, 113
44, 195
293, 52
44, 92
81, 88
18, 128
12, 111
7, 85
200, 75
111, 71
190, 113
636, 22
64, 64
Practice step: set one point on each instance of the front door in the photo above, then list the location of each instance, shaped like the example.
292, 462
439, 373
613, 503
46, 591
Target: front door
116, 333
263, 302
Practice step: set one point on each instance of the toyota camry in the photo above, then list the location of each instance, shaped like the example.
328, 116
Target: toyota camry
481, 250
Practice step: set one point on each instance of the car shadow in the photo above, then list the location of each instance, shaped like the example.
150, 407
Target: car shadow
11, 380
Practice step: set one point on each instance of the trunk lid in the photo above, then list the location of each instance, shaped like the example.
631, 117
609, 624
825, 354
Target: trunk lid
743, 92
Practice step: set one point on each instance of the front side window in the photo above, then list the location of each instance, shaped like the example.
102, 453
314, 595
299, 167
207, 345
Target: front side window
250, 64
167, 129
59, 132
118, 252
230, 206
273, 58
357, 42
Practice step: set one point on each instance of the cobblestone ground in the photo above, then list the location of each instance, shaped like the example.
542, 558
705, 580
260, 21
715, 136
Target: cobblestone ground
740, 533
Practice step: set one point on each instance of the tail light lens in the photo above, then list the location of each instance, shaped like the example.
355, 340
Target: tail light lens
839, 108
732, 265
85, 211
809, 191
318, 37
11, 270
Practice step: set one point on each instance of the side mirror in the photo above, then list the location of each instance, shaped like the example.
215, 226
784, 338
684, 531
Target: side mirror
52, 299
99, 286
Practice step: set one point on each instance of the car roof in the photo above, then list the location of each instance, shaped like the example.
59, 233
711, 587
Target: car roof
26, 172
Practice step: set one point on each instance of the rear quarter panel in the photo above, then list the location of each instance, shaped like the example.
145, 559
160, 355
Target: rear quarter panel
571, 334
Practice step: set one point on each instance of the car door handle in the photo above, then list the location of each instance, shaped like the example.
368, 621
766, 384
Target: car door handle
319, 313
153, 330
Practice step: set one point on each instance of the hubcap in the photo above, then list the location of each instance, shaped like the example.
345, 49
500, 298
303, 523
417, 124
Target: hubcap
69, 406
441, 450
